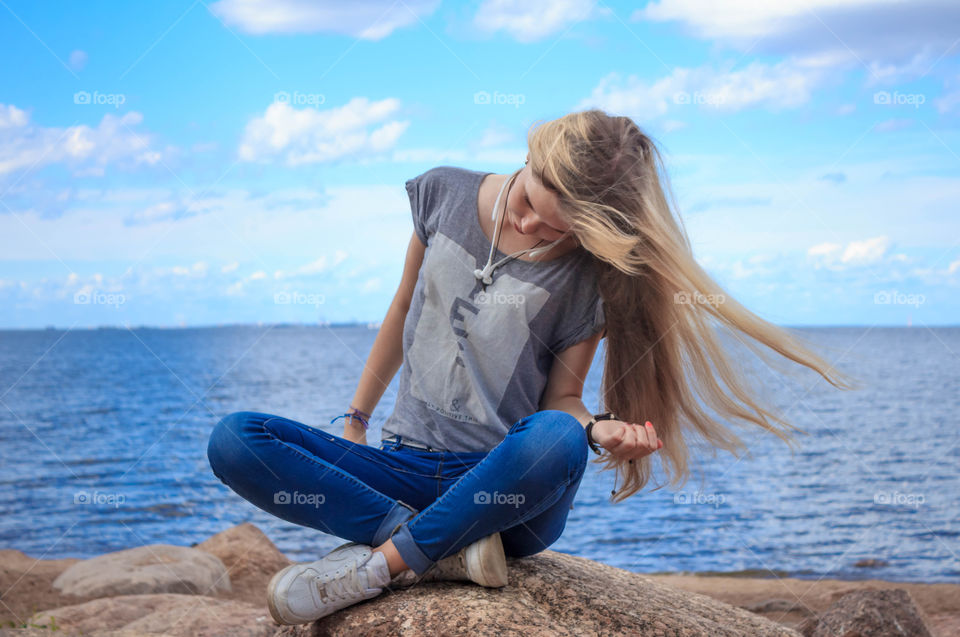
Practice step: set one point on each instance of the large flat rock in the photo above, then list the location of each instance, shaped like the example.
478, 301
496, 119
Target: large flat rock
549, 593
166, 614
156, 568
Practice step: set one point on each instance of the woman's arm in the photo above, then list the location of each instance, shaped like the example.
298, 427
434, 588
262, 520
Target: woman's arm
565, 382
564, 390
386, 355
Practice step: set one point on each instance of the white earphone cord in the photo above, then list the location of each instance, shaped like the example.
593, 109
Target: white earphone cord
485, 275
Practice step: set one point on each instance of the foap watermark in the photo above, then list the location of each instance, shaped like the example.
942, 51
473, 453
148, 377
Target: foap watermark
312, 499
99, 99
499, 298
299, 298
485, 497
99, 499
485, 98
299, 99
699, 99
693, 298
893, 297
115, 299
895, 498
698, 497
897, 98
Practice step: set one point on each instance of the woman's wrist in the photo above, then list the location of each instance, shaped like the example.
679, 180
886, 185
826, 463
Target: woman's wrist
591, 439
355, 419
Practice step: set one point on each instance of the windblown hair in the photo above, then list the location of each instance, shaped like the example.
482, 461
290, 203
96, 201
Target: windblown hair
662, 355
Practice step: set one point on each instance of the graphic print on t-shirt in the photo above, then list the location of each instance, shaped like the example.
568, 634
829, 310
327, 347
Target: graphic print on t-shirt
464, 339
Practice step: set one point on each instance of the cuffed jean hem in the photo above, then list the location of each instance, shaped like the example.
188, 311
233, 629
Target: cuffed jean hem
398, 515
410, 552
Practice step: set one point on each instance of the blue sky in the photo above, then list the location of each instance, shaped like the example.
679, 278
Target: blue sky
238, 161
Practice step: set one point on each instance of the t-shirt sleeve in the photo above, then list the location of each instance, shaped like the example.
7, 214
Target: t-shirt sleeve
592, 321
419, 191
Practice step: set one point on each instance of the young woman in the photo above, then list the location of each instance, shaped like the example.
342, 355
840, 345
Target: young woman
509, 284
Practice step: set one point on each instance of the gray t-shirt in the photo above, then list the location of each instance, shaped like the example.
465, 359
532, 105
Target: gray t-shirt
474, 361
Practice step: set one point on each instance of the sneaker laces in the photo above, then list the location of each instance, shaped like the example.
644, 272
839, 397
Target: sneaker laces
345, 586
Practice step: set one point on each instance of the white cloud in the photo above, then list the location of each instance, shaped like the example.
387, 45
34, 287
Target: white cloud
11, 116
88, 151
896, 39
535, 19
298, 136
156, 212
756, 265
314, 267
196, 270
271, 229
311, 269
856, 253
503, 155
787, 84
825, 250
368, 20
671, 125
496, 135
950, 101
741, 19
746, 205
866, 251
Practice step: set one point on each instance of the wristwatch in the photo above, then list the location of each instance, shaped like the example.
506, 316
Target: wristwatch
590, 441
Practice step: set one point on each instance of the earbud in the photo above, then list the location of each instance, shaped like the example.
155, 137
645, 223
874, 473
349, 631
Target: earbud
483, 275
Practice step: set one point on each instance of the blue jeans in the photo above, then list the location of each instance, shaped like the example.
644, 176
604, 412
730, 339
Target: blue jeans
431, 503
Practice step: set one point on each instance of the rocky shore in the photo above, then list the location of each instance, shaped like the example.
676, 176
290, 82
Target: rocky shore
217, 588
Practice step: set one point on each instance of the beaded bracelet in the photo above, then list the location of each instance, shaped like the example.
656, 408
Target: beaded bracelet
362, 416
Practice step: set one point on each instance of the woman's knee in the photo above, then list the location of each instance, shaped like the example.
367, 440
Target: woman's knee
227, 447
556, 433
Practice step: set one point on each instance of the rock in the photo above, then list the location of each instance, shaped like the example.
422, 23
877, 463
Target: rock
778, 605
870, 563
168, 614
870, 613
157, 568
251, 560
549, 593
25, 585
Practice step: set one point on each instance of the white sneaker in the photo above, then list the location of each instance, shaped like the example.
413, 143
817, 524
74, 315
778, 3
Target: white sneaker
482, 562
302, 593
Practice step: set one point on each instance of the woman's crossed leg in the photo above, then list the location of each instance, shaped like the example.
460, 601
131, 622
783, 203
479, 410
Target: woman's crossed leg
523, 488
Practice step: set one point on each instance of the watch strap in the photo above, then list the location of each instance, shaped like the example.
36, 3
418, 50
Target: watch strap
589, 429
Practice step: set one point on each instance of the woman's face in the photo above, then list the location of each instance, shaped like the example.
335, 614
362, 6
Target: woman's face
532, 209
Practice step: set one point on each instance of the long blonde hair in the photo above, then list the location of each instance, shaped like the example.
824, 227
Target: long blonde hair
662, 352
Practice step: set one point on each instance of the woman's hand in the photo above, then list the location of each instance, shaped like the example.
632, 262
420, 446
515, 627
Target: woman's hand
626, 441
